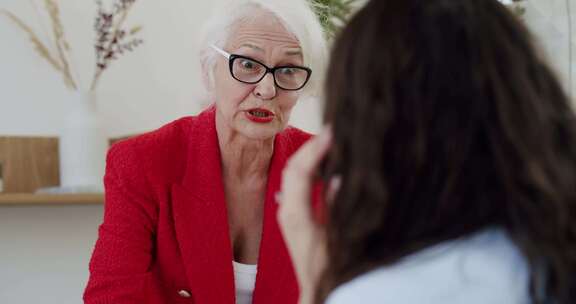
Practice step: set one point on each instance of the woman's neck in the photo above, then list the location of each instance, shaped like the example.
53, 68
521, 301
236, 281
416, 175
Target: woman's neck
243, 158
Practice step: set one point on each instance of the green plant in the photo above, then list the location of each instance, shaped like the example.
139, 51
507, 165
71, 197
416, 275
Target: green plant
333, 14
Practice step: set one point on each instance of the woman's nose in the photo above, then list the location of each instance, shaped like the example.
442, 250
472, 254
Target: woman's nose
266, 88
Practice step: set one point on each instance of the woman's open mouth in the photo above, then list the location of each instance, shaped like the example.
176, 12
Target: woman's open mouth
260, 115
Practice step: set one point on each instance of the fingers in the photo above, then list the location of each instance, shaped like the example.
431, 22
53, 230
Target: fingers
300, 171
300, 231
298, 177
307, 159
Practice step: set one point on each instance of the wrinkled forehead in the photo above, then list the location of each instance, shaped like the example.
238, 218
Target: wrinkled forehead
262, 27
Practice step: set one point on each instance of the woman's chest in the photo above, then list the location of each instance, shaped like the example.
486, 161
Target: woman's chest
245, 213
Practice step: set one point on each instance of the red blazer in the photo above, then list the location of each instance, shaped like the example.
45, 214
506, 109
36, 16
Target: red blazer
165, 227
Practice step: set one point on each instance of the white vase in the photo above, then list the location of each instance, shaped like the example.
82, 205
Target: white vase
82, 145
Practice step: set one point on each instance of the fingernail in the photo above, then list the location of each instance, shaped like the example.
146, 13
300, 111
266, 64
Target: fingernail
333, 187
336, 182
326, 134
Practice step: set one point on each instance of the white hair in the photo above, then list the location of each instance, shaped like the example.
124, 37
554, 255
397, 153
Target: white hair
297, 16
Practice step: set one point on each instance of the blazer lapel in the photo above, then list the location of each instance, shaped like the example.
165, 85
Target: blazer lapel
200, 217
202, 228
276, 279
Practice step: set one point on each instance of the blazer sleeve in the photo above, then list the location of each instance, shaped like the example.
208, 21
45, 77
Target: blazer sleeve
120, 263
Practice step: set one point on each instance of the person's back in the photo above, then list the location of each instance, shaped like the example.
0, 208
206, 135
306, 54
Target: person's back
484, 268
445, 123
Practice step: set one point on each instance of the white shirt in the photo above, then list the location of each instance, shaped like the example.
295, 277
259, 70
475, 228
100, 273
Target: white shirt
484, 268
244, 280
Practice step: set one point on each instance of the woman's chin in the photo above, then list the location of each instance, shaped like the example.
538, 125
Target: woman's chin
259, 131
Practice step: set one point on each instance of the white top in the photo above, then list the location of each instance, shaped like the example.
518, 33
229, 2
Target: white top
245, 280
484, 268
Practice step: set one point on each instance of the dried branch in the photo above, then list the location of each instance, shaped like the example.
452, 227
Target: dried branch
111, 40
62, 45
109, 44
38, 45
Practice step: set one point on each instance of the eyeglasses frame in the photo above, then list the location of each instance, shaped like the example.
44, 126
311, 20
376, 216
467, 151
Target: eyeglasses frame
232, 57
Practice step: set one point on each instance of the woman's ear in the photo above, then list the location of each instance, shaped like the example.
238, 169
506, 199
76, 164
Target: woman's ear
207, 75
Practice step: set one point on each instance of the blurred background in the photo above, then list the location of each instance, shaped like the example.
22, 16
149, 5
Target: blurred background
46, 240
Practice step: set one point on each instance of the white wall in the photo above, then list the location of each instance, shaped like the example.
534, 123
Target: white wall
44, 251
160, 81
157, 83
140, 92
549, 20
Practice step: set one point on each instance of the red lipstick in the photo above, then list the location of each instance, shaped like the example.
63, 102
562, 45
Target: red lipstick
260, 115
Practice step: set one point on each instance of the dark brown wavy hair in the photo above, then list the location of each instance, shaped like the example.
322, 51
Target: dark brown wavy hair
447, 120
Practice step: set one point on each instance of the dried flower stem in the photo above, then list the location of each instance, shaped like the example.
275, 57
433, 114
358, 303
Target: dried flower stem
76, 75
59, 63
110, 43
39, 46
60, 41
43, 26
109, 47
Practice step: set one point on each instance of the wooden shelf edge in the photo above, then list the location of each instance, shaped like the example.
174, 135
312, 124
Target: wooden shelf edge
50, 199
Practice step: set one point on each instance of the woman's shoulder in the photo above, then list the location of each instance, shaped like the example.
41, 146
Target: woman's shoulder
158, 153
171, 135
169, 132
484, 268
170, 139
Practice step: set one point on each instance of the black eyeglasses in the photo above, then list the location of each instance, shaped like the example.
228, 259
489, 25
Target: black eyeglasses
251, 71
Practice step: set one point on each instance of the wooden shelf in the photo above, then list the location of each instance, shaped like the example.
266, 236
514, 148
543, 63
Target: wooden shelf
50, 199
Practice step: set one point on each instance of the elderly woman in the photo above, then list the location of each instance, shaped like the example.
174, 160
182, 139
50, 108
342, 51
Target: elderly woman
190, 214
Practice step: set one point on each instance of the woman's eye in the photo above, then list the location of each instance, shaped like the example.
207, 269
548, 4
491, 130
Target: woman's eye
247, 64
287, 71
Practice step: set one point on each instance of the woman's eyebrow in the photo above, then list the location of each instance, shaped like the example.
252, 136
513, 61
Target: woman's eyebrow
293, 53
257, 48
251, 46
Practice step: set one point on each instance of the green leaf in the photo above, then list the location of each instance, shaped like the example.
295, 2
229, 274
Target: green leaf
330, 10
